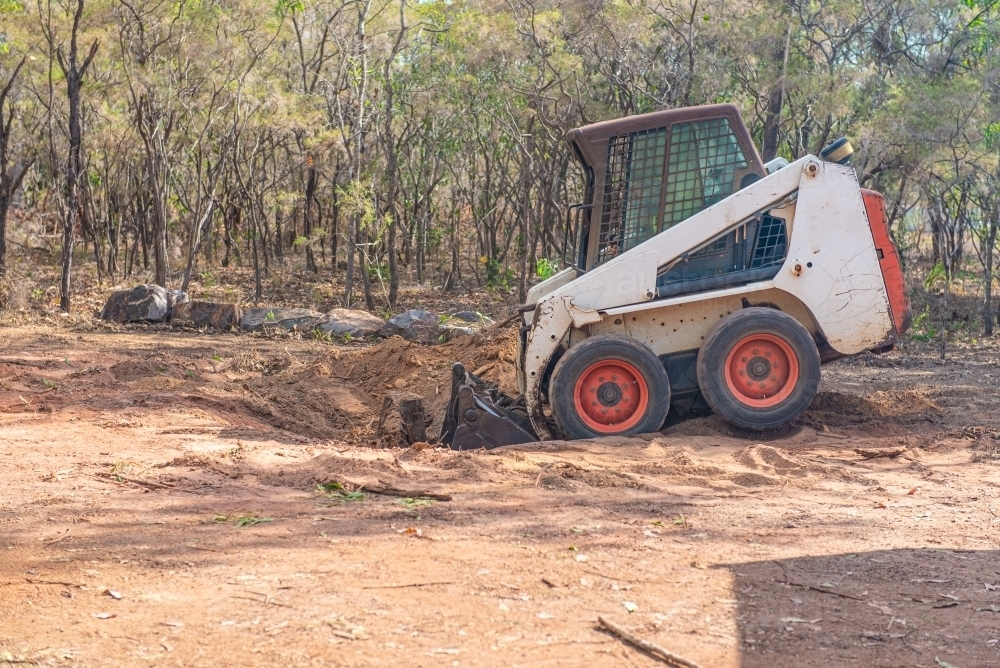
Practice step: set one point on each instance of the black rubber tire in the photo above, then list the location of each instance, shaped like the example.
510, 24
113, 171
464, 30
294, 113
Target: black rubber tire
608, 347
727, 334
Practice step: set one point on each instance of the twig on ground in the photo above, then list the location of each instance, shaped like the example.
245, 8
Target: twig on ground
54, 582
53, 542
823, 591
411, 584
542, 471
405, 493
267, 601
829, 434
874, 454
136, 481
918, 651
655, 651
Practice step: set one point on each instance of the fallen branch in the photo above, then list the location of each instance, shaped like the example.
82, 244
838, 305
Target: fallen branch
874, 454
831, 435
654, 651
54, 582
405, 493
497, 326
53, 542
135, 481
267, 601
822, 590
411, 584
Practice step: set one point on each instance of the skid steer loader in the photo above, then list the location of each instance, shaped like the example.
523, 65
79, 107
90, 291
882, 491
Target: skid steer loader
700, 272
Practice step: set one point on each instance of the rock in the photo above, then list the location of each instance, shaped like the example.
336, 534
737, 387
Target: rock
357, 324
402, 422
274, 318
208, 314
413, 325
463, 323
449, 331
176, 298
471, 317
143, 303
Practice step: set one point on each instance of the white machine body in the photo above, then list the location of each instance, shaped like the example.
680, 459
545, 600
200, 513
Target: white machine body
830, 281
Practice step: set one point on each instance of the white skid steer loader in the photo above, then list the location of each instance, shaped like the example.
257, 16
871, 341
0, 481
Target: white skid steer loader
701, 273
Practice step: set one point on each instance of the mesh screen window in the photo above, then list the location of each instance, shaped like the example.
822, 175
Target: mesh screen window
772, 242
632, 190
646, 191
704, 157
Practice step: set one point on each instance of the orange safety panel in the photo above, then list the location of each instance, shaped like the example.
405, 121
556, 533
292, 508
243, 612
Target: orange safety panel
892, 271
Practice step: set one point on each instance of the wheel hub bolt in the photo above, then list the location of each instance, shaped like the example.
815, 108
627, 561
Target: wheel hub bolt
471, 414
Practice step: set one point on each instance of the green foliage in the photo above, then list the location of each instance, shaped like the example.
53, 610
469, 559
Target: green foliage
319, 335
546, 268
336, 492
922, 329
358, 199
937, 274
498, 276
283, 7
483, 95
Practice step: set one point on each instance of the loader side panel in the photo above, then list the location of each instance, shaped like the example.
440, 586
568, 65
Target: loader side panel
678, 327
832, 264
892, 270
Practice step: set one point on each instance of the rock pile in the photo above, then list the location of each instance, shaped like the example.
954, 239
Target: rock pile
152, 303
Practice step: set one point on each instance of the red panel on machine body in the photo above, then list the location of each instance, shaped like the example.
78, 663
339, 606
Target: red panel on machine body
892, 271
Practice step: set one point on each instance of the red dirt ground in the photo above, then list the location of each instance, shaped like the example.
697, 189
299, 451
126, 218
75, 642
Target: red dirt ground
130, 459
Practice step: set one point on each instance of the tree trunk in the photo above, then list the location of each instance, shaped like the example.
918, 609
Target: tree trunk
10, 180
359, 148
775, 101
991, 238
352, 231
73, 72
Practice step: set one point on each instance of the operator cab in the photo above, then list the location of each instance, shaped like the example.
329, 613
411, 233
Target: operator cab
645, 174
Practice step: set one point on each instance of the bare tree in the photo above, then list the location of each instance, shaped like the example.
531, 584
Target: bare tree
10, 175
73, 70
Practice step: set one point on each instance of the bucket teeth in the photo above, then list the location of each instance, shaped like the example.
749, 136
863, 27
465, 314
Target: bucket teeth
479, 415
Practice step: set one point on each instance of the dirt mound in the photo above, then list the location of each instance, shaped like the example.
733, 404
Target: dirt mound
397, 364
467, 466
713, 425
841, 409
128, 371
906, 403
298, 404
334, 468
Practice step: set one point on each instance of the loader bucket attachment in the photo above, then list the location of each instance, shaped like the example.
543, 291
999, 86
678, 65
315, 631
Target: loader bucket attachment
479, 415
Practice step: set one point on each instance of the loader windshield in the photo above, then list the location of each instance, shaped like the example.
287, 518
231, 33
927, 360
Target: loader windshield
659, 177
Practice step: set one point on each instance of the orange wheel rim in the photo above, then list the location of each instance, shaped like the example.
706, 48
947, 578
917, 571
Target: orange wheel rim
611, 396
762, 370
